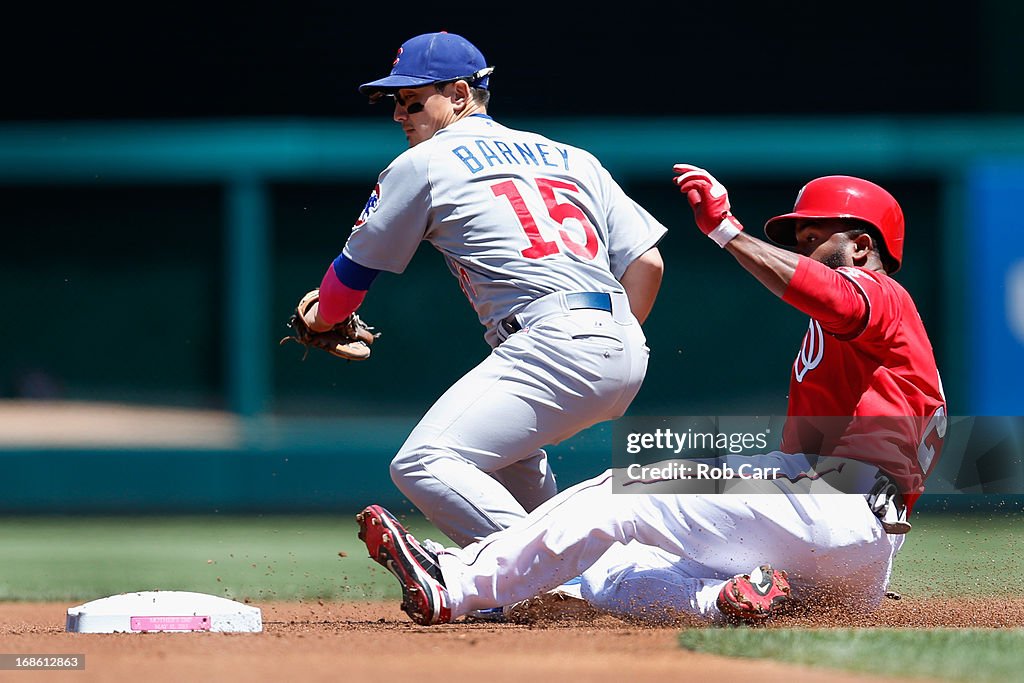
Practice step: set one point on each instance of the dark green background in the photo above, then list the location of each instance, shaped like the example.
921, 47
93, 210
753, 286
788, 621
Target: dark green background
130, 279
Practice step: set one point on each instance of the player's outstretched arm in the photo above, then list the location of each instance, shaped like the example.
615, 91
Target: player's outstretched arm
772, 266
819, 291
642, 280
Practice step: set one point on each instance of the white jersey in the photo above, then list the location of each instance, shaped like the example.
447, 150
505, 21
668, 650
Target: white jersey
516, 216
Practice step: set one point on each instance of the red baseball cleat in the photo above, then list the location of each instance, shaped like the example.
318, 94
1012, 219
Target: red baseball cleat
424, 596
753, 596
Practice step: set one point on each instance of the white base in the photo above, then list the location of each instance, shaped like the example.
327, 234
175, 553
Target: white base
175, 611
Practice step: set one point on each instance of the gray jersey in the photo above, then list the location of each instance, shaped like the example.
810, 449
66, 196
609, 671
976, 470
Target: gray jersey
516, 216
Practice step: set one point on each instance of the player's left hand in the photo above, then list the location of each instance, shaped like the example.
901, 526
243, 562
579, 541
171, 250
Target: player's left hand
710, 202
350, 339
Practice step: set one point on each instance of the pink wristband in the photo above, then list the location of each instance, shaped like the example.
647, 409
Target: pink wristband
337, 301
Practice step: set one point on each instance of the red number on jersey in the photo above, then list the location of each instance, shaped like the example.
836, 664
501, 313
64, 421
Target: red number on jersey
538, 245
559, 212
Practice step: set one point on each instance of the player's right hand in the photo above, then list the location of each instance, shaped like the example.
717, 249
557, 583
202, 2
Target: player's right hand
710, 202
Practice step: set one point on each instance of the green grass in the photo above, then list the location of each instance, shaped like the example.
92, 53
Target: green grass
974, 655
962, 554
287, 558
257, 558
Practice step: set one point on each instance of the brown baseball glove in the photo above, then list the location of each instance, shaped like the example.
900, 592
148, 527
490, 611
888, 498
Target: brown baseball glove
350, 339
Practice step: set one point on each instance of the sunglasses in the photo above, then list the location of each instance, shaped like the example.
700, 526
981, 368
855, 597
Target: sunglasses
417, 107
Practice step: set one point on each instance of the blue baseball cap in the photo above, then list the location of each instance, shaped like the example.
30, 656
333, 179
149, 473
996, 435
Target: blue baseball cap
433, 58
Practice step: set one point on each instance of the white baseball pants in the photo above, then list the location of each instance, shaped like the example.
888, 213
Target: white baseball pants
661, 555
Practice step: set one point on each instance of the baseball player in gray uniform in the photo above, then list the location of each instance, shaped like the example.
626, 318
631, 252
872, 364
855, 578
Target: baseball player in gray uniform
560, 265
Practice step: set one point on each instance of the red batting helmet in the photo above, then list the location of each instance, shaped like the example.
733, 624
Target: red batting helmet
843, 196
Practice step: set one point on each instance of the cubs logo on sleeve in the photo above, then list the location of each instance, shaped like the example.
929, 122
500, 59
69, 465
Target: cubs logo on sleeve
371, 205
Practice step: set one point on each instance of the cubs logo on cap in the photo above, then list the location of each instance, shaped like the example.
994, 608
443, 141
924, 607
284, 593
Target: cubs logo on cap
433, 58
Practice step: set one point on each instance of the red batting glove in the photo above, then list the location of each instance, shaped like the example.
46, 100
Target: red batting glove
710, 202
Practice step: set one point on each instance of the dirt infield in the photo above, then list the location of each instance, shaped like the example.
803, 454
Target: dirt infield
376, 642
